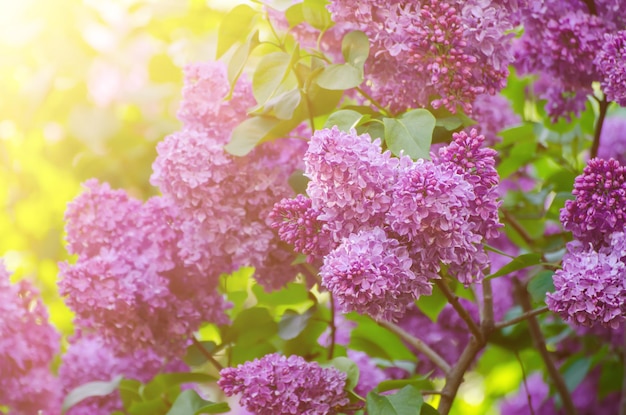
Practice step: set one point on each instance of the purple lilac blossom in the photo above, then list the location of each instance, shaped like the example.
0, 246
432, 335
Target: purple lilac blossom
279, 385
135, 290
89, 359
613, 139
611, 63
28, 344
590, 288
372, 274
351, 180
442, 53
598, 209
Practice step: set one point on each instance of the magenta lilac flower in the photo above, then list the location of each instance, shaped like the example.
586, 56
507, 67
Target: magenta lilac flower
590, 288
90, 359
351, 180
279, 385
28, 344
611, 63
493, 114
373, 274
600, 200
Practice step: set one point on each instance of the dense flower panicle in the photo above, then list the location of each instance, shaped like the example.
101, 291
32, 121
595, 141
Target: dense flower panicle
136, 291
351, 180
613, 140
590, 289
442, 53
373, 274
598, 209
28, 343
89, 359
297, 224
611, 63
203, 105
493, 114
279, 385
432, 214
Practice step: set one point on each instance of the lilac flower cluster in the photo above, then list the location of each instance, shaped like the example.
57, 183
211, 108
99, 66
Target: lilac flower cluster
390, 223
561, 42
598, 209
590, 288
442, 53
28, 343
279, 385
89, 359
493, 114
129, 283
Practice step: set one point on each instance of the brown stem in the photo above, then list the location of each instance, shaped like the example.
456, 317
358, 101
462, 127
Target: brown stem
453, 299
540, 344
487, 323
517, 227
591, 5
596, 137
333, 328
454, 378
419, 345
520, 318
206, 354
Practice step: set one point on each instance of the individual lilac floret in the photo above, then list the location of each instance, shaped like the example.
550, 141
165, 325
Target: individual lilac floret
28, 344
297, 224
372, 274
611, 63
89, 359
351, 180
590, 289
432, 214
279, 385
204, 106
613, 140
598, 209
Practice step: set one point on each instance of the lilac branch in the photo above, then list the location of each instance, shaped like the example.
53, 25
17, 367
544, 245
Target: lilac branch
540, 345
520, 318
453, 299
333, 328
487, 323
418, 344
598, 132
206, 354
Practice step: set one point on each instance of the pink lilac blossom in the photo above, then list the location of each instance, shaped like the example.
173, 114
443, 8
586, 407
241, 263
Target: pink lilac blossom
590, 288
279, 385
135, 290
351, 180
600, 200
372, 274
28, 344
613, 139
611, 63
432, 214
204, 107
89, 359
442, 53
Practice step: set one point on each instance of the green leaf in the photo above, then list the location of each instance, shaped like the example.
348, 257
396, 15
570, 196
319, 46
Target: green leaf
281, 106
348, 367
541, 284
88, 390
273, 76
340, 76
394, 384
410, 134
450, 123
190, 403
195, 357
345, 120
250, 133
292, 294
377, 341
316, 14
355, 48
238, 61
575, 370
235, 27
293, 323
165, 381
427, 409
521, 262
408, 401
294, 15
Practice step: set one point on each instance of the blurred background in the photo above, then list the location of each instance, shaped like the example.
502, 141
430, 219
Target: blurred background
87, 89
